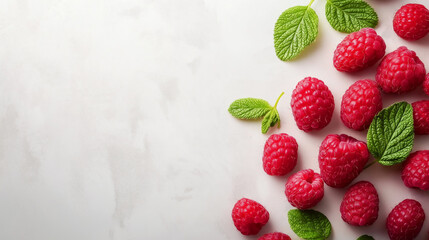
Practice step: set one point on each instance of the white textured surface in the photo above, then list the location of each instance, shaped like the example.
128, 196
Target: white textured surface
114, 122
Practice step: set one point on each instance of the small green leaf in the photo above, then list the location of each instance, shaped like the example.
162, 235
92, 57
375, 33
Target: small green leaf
391, 134
295, 29
270, 120
365, 237
350, 15
253, 108
309, 224
249, 108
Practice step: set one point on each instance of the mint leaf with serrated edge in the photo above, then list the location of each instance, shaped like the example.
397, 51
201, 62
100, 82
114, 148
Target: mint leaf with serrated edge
254, 108
350, 15
365, 237
295, 29
309, 224
249, 108
391, 134
270, 120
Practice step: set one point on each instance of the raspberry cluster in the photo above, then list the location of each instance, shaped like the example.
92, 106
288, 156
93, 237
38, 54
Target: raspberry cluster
341, 157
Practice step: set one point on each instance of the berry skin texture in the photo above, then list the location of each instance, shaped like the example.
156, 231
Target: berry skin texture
275, 236
400, 71
361, 102
415, 173
280, 154
411, 22
312, 104
405, 220
341, 159
359, 50
426, 85
249, 216
304, 189
421, 117
360, 204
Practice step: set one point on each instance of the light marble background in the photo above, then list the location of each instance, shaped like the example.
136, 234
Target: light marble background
114, 122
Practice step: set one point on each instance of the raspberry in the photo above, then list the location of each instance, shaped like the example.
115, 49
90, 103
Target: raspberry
249, 216
275, 236
411, 22
359, 50
426, 85
280, 154
304, 189
312, 104
361, 102
421, 117
341, 159
360, 204
400, 71
405, 220
415, 173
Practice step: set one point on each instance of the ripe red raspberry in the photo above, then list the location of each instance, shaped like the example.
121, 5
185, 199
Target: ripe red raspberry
361, 102
280, 154
359, 50
400, 71
421, 116
426, 85
341, 159
411, 21
304, 189
275, 236
312, 104
249, 216
360, 204
415, 173
405, 220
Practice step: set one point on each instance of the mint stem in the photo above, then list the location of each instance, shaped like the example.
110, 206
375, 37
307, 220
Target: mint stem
311, 2
275, 105
369, 165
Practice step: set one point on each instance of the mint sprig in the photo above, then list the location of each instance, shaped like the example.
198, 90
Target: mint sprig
350, 15
309, 224
365, 237
295, 29
391, 134
254, 108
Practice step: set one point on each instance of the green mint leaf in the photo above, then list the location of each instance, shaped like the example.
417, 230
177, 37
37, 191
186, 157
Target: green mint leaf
253, 108
391, 134
249, 108
270, 120
350, 15
365, 237
295, 29
309, 224
272, 117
